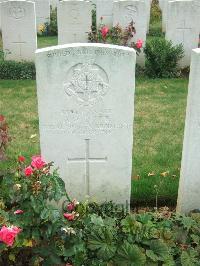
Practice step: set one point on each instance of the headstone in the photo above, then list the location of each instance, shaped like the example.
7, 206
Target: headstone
182, 27
124, 12
104, 12
19, 30
86, 103
189, 186
74, 21
42, 8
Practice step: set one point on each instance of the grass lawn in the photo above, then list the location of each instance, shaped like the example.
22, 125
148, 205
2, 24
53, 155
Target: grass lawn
159, 124
158, 131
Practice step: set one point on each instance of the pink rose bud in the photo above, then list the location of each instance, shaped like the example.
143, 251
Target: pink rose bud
21, 159
8, 234
28, 171
2, 118
69, 216
18, 212
139, 44
70, 206
104, 31
38, 162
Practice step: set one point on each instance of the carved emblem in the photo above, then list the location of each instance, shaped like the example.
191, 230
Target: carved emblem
87, 83
130, 13
17, 12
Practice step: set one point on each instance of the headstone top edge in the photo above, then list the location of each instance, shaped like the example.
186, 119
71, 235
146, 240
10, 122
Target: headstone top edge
196, 51
81, 45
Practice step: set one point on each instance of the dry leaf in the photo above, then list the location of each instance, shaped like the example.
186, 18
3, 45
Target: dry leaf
151, 174
33, 136
136, 177
164, 174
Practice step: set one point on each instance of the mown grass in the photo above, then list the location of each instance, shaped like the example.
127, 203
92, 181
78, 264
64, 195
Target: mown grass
158, 132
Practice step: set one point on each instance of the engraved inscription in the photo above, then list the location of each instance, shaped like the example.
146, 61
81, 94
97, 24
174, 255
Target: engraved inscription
19, 43
17, 12
75, 15
87, 83
87, 159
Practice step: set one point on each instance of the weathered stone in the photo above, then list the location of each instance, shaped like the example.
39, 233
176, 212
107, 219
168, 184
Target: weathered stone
189, 187
19, 30
86, 105
74, 21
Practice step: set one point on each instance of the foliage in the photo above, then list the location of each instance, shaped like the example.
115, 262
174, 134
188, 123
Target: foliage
4, 137
162, 58
52, 27
86, 233
115, 35
16, 70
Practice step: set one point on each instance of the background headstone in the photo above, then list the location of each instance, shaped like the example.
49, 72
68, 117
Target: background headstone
19, 30
104, 9
124, 12
182, 27
42, 8
86, 110
74, 21
189, 186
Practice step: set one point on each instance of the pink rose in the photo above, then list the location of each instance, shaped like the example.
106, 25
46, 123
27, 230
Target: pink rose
70, 206
18, 212
104, 31
139, 44
28, 171
8, 234
69, 216
38, 162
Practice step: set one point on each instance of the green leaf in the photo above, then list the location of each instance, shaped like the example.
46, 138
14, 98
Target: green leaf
130, 255
160, 249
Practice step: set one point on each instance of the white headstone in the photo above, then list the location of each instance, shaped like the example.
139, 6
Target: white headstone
74, 21
182, 27
104, 12
42, 8
124, 12
19, 30
86, 110
189, 187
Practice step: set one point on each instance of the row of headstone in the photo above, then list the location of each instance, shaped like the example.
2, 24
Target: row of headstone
74, 22
87, 129
181, 23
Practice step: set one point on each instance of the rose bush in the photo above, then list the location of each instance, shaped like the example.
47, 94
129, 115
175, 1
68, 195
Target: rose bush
36, 231
115, 35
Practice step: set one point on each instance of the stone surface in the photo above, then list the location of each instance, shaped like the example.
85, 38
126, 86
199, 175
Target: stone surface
125, 11
19, 30
104, 9
189, 187
74, 21
86, 106
42, 8
182, 27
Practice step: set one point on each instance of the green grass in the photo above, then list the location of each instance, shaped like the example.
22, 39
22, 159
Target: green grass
47, 41
158, 133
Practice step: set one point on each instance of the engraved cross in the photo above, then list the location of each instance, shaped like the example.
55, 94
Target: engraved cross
87, 159
184, 29
20, 43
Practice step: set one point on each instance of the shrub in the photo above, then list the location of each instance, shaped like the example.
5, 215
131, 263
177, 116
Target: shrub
52, 27
17, 70
162, 58
33, 231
